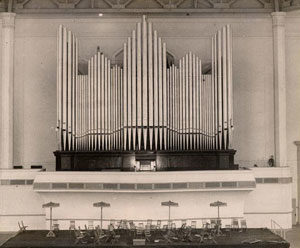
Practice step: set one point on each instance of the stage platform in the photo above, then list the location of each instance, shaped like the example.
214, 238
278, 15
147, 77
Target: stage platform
253, 238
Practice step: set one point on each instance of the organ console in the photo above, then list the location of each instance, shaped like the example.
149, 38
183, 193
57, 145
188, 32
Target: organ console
145, 104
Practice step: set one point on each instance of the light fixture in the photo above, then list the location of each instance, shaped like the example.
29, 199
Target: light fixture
100, 14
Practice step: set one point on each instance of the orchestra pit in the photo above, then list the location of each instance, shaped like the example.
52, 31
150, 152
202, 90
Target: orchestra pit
156, 123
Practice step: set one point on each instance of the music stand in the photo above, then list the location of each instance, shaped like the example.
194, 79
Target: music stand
50, 205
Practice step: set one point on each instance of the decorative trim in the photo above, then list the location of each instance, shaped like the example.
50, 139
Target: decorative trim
280, 180
8, 20
278, 19
17, 215
48, 186
14, 182
287, 212
297, 143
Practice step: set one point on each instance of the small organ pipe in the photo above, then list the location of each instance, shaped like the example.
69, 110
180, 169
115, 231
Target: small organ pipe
155, 85
129, 87
150, 85
134, 109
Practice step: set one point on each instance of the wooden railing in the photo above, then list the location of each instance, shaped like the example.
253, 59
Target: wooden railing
277, 229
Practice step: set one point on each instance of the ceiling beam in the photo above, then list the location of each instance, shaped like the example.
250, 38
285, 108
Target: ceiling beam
140, 11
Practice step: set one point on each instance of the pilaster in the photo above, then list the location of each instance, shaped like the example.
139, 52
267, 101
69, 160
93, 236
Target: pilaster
7, 81
278, 19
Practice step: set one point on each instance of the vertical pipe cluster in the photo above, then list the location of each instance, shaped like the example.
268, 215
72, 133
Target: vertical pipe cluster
144, 90
223, 89
99, 106
145, 104
67, 62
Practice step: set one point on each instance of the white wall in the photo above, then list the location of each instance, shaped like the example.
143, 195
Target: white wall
35, 76
20, 202
270, 201
293, 92
0, 70
259, 205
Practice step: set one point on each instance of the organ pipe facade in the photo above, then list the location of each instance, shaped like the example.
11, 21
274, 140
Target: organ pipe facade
144, 104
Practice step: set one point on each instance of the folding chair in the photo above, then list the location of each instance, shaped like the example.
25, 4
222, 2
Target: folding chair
79, 237
140, 230
98, 236
124, 224
55, 225
165, 227
193, 224
158, 224
22, 227
243, 225
148, 232
205, 224
213, 223
90, 225
112, 237
132, 226
72, 225
173, 226
118, 225
228, 229
111, 222
183, 224
235, 224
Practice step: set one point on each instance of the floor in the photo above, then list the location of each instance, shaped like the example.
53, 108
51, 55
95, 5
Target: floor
5, 236
158, 238
293, 237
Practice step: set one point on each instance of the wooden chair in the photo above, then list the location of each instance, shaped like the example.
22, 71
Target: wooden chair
213, 223
205, 224
165, 227
132, 226
148, 231
228, 229
98, 236
183, 224
111, 222
90, 225
235, 224
79, 236
140, 230
188, 237
158, 224
22, 227
194, 224
243, 225
55, 225
173, 226
72, 225
219, 227
112, 236
124, 224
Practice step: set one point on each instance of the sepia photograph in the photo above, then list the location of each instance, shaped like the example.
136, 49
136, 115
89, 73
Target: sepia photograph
149, 123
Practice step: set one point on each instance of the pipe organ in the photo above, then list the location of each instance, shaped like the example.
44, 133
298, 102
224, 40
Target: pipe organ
145, 103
